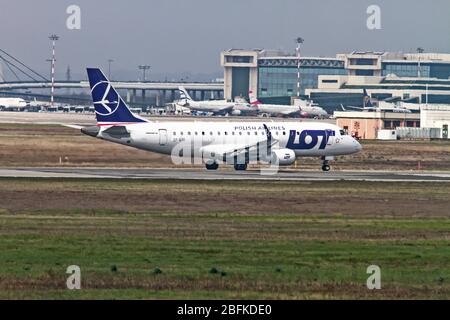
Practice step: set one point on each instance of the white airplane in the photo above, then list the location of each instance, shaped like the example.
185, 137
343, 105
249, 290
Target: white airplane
310, 110
382, 106
12, 103
214, 106
274, 109
228, 142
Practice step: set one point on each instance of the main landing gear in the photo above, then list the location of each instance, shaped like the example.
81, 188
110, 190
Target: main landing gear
240, 167
212, 166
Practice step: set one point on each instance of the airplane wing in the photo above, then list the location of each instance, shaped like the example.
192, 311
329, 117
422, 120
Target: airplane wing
73, 126
212, 108
358, 108
231, 150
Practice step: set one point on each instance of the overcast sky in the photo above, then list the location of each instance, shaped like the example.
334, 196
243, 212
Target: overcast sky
186, 36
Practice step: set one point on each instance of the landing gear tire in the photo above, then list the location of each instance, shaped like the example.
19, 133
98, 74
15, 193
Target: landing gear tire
212, 166
325, 163
240, 167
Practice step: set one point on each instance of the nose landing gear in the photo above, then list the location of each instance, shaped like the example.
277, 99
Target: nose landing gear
325, 164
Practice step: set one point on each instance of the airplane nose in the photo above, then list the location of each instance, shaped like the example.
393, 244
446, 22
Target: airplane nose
358, 146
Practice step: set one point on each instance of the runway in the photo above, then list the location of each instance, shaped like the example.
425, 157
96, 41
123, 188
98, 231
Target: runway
224, 174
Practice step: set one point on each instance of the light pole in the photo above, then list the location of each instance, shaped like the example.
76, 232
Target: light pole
144, 68
109, 68
50, 61
53, 38
299, 41
419, 51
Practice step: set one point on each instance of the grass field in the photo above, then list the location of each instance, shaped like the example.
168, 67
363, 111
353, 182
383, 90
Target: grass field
223, 239
44, 145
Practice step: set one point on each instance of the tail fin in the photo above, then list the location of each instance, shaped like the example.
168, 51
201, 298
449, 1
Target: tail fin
253, 99
367, 102
184, 95
109, 106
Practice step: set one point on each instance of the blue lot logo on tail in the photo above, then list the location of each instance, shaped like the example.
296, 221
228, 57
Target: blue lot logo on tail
109, 99
109, 106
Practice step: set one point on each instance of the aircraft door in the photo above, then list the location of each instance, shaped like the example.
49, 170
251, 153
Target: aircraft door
162, 137
330, 136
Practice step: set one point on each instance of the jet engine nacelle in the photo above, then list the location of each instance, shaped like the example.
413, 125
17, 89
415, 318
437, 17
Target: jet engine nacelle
304, 114
236, 112
284, 157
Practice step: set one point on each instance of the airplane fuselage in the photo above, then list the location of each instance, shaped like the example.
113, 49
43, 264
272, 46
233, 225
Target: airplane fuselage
13, 103
275, 109
209, 106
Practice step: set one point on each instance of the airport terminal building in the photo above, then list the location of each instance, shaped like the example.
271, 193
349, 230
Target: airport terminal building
411, 78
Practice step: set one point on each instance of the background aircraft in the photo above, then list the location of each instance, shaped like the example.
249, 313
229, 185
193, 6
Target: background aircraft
274, 109
382, 105
310, 110
12, 104
215, 106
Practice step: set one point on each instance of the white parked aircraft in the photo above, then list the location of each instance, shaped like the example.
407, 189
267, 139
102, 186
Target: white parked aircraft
229, 142
382, 106
274, 109
310, 110
214, 106
12, 104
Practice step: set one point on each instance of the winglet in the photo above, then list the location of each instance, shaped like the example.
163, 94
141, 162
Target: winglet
268, 133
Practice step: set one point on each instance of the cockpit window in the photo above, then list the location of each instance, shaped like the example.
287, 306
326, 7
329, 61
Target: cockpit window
343, 133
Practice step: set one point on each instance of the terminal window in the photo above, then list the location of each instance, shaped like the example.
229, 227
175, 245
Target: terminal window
363, 62
240, 59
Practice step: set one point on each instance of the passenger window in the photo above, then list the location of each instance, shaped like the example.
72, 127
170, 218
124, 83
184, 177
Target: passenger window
210, 133
181, 133
284, 133
240, 133
189, 133
203, 133
256, 133
248, 133
232, 133
226, 133
174, 133
218, 133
